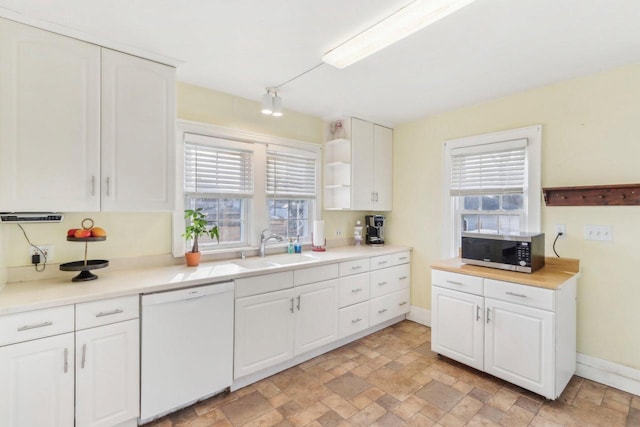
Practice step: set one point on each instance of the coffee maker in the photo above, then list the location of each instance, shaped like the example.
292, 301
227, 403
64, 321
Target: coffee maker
375, 230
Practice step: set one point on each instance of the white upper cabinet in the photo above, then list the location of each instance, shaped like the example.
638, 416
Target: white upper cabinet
138, 132
358, 172
49, 121
82, 128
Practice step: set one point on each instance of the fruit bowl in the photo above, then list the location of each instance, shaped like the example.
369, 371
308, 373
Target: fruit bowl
88, 233
86, 239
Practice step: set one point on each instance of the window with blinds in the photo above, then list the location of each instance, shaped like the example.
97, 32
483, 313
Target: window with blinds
488, 184
219, 180
291, 191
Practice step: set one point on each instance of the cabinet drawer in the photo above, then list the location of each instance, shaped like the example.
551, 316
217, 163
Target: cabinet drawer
530, 296
104, 312
457, 282
354, 267
389, 280
385, 261
389, 306
35, 324
247, 286
315, 274
354, 289
353, 319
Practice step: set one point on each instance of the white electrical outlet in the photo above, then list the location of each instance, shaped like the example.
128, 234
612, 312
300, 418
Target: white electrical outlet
46, 249
598, 232
561, 228
338, 233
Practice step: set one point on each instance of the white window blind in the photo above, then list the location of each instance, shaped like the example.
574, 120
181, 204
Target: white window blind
217, 172
496, 168
291, 175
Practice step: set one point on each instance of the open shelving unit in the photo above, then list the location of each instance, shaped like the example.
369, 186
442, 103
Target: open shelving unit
337, 174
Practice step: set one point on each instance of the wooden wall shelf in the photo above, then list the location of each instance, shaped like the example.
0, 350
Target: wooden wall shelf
594, 195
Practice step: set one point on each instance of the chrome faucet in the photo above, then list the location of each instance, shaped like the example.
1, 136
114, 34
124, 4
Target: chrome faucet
265, 236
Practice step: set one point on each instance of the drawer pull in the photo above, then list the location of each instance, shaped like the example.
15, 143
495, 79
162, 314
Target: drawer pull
109, 313
402, 303
356, 290
451, 282
37, 325
382, 311
357, 267
513, 294
382, 262
403, 278
356, 320
382, 283
402, 258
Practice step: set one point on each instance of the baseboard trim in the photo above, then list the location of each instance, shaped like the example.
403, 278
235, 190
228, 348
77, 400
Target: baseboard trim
609, 373
420, 315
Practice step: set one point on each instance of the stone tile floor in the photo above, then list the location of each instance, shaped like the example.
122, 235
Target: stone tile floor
391, 378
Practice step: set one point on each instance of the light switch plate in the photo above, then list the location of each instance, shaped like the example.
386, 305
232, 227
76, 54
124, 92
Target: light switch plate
598, 232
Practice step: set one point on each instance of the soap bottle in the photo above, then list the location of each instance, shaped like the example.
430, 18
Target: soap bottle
297, 246
357, 233
290, 246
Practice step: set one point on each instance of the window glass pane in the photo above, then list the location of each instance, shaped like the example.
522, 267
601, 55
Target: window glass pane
490, 203
469, 222
290, 218
227, 214
511, 202
471, 203
488, 223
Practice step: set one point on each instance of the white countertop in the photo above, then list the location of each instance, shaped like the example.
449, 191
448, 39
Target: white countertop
24, 296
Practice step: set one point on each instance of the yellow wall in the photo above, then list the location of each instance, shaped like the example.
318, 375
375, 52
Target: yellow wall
591, 136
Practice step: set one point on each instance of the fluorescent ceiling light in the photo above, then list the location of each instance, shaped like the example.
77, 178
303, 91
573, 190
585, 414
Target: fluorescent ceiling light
406, 21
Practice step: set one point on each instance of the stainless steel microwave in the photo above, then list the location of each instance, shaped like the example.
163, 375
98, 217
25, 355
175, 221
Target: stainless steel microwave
522, 252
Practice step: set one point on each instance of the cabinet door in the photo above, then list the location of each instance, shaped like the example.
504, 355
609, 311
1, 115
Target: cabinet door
519, 345
457, 326
49, 121
362, 156
316, 320
138, 133
36, 386
382, 168
107, 374
263, 331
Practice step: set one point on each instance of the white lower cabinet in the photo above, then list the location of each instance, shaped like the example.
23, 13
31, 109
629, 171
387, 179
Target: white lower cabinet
353, 319
107, 374
316, 316
55, 374
37, 383
523, 334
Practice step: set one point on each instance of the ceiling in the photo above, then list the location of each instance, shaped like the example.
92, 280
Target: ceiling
489, 49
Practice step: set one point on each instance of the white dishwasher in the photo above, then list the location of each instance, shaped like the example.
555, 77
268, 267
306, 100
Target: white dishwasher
186, 347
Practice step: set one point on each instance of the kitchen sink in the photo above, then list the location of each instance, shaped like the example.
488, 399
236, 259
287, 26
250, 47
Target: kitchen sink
273, 261
254, 263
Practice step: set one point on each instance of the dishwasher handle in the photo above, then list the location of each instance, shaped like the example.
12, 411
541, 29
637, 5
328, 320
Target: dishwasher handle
186, 293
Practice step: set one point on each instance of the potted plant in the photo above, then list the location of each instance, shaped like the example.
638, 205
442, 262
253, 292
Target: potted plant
197, 227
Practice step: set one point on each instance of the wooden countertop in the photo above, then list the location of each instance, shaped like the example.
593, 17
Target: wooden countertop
555, 272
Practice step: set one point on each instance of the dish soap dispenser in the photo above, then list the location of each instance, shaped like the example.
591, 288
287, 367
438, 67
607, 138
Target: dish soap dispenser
297, 246
357, 233
290, 247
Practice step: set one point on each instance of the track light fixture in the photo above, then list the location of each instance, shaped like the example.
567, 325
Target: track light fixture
271, 103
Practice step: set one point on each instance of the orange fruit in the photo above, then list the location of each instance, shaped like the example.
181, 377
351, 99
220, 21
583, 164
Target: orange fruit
98, 232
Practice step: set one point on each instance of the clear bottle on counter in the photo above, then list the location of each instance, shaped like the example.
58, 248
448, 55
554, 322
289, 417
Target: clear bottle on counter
357, 234
290, 249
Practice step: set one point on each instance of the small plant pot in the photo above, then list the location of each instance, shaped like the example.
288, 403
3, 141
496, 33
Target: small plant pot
193, 258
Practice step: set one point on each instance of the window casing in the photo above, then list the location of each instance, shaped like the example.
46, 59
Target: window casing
492, 184
243, 211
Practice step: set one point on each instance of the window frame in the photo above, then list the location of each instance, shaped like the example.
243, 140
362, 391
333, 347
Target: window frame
257, 211
532, 203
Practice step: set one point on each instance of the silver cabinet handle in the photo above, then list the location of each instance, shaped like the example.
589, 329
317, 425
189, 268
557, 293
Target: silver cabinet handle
382, 283
382, 262
488, 311
403, 278
298, 303
402, 258
477, 313
84, 356
356, 290
382, 311
356, 320
93, 185
513, 294
356, 267
35, 326
402, 303
108, 186
66, 360
376, 196
109, 313
451, 282
291, 305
